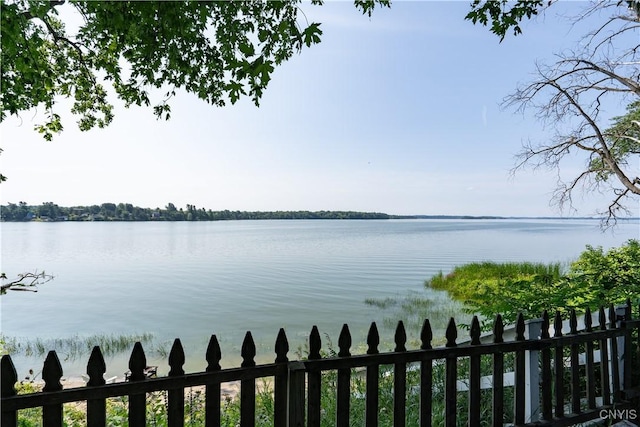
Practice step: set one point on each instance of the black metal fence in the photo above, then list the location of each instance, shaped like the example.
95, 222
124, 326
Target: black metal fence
557, 375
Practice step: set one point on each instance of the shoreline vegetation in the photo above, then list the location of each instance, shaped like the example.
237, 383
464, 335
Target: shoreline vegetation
51, 212
596, 278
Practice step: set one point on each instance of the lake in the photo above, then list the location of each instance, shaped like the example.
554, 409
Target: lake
194, 279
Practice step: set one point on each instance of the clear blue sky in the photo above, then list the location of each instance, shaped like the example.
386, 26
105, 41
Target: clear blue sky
396, 113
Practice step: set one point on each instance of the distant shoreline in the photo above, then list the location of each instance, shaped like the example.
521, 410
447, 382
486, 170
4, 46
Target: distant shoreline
126, 212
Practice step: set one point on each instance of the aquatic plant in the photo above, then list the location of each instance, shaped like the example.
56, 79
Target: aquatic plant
75, 347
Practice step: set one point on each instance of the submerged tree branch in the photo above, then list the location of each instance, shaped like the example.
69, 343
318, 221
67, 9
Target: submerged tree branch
25, 282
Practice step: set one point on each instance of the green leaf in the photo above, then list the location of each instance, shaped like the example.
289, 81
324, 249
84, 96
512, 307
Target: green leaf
247, 49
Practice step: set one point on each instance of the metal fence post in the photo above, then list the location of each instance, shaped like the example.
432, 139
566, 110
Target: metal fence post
533, 328
296, 394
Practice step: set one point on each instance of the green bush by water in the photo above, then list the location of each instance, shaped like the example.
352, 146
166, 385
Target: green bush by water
595, 278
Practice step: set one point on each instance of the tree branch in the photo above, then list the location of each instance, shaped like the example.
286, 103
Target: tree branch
606, 155
25, 282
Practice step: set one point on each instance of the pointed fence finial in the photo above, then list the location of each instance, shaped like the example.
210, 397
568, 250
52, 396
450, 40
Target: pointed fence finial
96, 368
315, 344
137, 363
520, 327
546, 324
426, 335
573, 322
612, 317
213, 355
474, 331
400, 337
282, 347
498, 329
8, 377
176, 358
344, 341
557, 324
588, 320
373, 339
248, 351
52, 372
451, 334
602, 318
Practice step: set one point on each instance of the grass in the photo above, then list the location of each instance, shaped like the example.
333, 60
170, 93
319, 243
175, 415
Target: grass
465, 281
76, 347
381, 303
414, 307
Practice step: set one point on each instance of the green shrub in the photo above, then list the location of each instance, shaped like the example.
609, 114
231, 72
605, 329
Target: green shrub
595, 278
613, 276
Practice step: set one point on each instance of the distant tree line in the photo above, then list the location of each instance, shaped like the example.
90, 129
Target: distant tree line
50, 211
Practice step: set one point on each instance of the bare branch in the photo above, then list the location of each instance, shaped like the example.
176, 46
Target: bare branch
615, 207
632, 85
571, 98
25, 282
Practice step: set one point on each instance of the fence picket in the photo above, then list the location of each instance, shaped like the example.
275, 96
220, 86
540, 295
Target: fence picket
604, 360
372, 386
426, 376
631, 359
51, 374
589, 362
8, 380
546, 370
400, 379
315, 380
628, 347
519, 374
175, 397
344, 379
137, 401
212, 390
558, 365
474, 375
498, 375
615, 372
96, 408
575, 365
280, 381
248, 386
451, 374
296, 394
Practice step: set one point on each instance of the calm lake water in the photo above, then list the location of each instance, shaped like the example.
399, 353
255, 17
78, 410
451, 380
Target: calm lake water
191, 280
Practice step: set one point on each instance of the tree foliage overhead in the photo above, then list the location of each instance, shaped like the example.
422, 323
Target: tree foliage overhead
500, 18
218, 51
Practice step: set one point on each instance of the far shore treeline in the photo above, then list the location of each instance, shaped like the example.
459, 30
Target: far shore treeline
50, 211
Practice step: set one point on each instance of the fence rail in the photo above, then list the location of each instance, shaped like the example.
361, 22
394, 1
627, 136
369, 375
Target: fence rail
563, 378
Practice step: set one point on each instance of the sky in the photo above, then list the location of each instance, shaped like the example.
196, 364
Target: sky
398, 113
